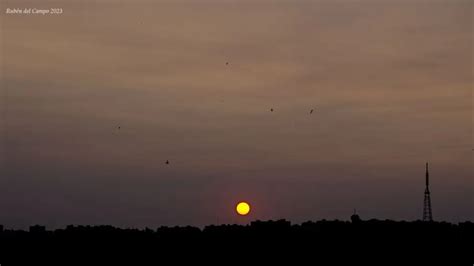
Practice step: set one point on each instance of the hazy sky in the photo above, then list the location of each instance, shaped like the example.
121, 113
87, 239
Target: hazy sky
390, 81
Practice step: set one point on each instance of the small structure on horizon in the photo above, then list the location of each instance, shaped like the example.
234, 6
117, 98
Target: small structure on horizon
35, 229
355, 218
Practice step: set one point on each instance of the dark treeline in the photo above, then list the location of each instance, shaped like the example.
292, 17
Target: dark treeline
274, 239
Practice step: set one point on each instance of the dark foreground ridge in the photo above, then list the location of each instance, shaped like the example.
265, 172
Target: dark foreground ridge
269, 239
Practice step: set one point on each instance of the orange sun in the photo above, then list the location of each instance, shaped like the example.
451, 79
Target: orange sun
243, 208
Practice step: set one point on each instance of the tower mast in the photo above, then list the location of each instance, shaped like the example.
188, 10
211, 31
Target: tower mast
427, 214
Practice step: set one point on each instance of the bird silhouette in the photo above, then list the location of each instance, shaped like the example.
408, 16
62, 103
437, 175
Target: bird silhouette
310, 112
226, 63
271, 110
167, 162
119, 127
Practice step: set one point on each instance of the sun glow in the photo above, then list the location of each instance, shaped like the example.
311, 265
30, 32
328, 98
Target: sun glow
242, 208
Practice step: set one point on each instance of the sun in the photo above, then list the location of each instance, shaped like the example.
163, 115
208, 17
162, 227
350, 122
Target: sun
243, 208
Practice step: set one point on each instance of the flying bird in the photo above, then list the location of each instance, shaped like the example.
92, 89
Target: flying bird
167, 162
271, 110
310, 112
119, 127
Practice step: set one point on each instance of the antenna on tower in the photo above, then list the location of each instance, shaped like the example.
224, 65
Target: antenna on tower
427, 176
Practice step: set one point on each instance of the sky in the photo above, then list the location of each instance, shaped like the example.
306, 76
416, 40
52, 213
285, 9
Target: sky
390, 83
